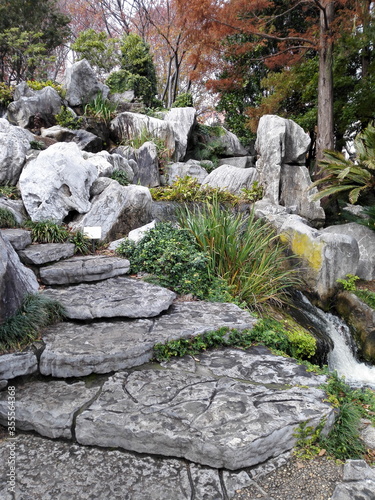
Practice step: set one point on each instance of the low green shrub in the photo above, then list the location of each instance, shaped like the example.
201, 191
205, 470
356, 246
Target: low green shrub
7, 218
348, 283
172, 258
367, 297
183, 100
101, 108
38, 145
39, 85
67, 119
82, 244
36, 312
47, 232
121, 177
6, 94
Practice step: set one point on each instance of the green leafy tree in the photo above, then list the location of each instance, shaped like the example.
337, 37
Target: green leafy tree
99, 50
36, 27
137, 70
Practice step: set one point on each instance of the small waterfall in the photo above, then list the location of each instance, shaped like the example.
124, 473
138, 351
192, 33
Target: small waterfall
342, 357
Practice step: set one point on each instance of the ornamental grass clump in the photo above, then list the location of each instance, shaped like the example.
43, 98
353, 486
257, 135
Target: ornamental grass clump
243, 251
36, 312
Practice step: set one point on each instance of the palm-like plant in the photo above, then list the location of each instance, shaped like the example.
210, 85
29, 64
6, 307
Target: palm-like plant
345, 175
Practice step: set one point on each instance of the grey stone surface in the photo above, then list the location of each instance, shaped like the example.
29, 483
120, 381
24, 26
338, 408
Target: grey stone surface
14, 145
106, 163
117, 210
182, 121
173, 171
16, 280
83, 269
130, 125
17, 364
359, 482
47, 407
215, 421
77, 350
231, 178
86, 141
16, 207
365, 238
148, 165
295, 194
239, 161
46, 102
115, 297
43, 253
18, 238
82, 85
231, 144
57, 182
55, 470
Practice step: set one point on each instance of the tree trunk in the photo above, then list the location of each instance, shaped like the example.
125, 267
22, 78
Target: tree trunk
325, 84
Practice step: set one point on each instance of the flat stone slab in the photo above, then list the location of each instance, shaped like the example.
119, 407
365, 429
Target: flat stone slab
53, 470
84, 269
43, 253
211, 420
18, 238
47, 407
76, 350
17, 364
115, 297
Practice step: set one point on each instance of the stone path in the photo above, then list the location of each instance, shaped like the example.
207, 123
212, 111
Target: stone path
124, 427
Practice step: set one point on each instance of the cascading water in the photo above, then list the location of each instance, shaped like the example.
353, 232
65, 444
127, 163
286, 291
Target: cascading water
342, 357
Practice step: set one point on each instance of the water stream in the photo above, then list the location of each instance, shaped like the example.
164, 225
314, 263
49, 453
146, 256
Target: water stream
342, 357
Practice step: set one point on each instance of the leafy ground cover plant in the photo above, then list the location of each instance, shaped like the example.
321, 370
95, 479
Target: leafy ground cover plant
36, 312
349, 284
244, 252
267, 331
67, 119
7, 218
121, 177
172, 258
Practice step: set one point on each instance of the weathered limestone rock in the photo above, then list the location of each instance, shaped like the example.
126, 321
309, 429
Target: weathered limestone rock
216, 421
231, 144
177, 170
323, 258
113, 474
16, 280
117, 210
82, 85
78, 350
18, 238
130, 125
43, 253
182, 121
83, 269
296, 196
17, 364
106, 163
359, 482
279, 142
16, 207
47, 407
137, 234
14, 145
231, 178
115, 297
163, 211
56, 182
365, 238
45, 102
361, 318
86, 141
239, 161
148, 165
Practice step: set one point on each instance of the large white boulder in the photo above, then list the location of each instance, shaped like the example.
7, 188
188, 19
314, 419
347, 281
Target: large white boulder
82, 85
14, 145
231, 178
182, 121
57, 182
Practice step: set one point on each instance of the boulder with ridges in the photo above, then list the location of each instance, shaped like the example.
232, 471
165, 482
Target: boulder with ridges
82, 85
14, 145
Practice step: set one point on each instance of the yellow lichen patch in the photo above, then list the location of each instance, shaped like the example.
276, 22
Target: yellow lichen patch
302, 246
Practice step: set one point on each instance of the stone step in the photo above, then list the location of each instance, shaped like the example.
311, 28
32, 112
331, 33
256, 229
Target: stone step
115, 297
58, 470
77, 350
84, 269
225, 409
44, 253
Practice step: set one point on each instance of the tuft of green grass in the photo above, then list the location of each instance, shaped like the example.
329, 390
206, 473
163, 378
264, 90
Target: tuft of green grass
9, 191
82, 244
36, 312
47, 231
243, 251
7, 218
